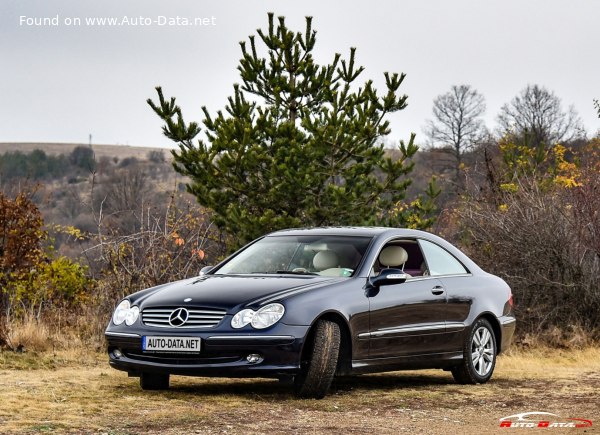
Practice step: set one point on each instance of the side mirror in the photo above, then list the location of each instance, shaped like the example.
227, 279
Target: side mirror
205, 270
388, 277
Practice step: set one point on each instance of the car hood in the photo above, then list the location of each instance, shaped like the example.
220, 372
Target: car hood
228, 291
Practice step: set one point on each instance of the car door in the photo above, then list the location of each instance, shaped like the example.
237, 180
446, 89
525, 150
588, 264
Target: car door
407, 319
457, 283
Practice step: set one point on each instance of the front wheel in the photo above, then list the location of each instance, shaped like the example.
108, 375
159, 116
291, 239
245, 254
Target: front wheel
479, 355
318, 370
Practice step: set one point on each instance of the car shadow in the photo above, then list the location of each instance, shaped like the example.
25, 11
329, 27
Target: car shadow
392, 381
273, 389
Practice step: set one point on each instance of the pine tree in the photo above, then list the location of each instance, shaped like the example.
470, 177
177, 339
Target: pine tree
299, 144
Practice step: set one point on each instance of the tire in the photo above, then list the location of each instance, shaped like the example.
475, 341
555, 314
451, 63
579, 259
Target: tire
154, 381
479, 355
318, 370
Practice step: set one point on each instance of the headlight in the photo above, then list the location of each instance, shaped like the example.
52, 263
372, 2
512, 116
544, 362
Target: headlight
125, 313
263, 318
242, 318
267, 316
121, 312
132, 316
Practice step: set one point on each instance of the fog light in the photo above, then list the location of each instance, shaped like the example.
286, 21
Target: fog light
117, 353
254, 358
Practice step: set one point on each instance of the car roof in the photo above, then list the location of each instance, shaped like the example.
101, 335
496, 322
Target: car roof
349, 231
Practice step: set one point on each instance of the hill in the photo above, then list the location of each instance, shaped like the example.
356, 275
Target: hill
120, 151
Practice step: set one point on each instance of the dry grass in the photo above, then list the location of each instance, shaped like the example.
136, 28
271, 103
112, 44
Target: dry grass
550, 362
76, 392
30, 334
33, 336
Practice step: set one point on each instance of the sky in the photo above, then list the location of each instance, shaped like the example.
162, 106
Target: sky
61, 83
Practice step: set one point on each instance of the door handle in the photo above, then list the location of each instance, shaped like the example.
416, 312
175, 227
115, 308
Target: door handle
437, 290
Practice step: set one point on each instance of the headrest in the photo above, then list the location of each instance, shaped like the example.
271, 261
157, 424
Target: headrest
392, 256
325, 260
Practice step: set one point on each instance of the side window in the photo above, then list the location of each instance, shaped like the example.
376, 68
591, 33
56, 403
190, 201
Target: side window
413, 264
440, 261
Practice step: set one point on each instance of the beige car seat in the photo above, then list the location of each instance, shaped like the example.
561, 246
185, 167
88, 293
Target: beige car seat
393, 256
327, 263
325, 260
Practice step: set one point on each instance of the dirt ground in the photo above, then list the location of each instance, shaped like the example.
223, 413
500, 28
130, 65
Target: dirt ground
57, 394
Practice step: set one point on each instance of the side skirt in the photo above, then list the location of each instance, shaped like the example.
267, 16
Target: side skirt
412, 362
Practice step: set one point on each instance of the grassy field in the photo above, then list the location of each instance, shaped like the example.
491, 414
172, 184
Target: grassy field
76, 392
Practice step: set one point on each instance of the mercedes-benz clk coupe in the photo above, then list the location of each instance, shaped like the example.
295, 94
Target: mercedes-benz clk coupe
306, 305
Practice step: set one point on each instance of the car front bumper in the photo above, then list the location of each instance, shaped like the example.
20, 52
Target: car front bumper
222, 353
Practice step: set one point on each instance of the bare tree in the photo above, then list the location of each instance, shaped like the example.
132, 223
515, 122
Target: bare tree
457, 124
536, 116
124, 195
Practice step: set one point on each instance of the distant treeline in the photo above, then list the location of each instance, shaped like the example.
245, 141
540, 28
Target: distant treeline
37, 165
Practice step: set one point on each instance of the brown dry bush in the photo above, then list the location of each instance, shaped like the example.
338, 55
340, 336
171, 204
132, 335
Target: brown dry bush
4, 333
21, 238
541, 233
173, 242
49, 302
36, 286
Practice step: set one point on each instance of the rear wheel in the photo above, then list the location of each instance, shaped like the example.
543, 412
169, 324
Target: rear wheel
154, 381
319, 368
479, 352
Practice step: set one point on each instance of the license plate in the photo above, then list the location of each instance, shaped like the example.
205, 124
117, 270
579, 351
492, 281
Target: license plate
171, 344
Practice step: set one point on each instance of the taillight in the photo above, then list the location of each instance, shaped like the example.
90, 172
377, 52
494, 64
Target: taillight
510, 300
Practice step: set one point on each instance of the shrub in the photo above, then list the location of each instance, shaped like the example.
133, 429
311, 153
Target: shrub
173, 242
59, 282
83, 157
21, 240
537, 226
156, 156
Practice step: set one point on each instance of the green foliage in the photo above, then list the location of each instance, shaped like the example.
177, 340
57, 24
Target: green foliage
540, 167
83, 157
36, 165
30, 277
299, 144
597, 105
60, 282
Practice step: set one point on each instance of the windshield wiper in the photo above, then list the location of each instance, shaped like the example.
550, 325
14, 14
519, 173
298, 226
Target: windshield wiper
295, 272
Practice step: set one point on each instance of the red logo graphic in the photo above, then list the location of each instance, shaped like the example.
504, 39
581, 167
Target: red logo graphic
543, 420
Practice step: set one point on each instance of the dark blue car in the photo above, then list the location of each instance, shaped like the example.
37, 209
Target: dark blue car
305, 305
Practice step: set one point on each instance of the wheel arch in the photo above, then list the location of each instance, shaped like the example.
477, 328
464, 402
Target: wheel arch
345, 356
493, 320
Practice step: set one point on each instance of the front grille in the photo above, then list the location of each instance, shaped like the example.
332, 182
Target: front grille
181, 359
198, 317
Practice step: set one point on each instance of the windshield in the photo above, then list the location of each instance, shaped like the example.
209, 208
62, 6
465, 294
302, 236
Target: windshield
302, 255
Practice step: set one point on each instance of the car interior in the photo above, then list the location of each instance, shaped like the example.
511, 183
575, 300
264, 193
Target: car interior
339, 260
402, 254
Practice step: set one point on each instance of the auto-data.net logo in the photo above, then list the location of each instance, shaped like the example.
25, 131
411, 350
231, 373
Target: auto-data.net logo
538, 419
